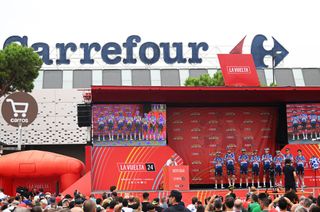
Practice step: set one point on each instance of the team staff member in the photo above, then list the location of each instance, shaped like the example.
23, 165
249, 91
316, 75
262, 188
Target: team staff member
290, 176
218, 163
255, 161
300, 162
230, 161
266, 161
244, 163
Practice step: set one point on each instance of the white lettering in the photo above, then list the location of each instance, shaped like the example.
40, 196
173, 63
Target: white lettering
16, 120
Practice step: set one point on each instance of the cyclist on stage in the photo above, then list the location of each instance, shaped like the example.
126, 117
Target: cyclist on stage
244, 163
266, 159
300, 163
230, 161
278, 162
218, 163
255, 161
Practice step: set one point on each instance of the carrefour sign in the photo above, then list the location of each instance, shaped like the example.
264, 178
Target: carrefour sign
133, 50
112, 52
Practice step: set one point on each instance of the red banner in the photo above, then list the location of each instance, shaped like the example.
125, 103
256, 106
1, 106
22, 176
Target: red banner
196, 134
130, 168
238, 70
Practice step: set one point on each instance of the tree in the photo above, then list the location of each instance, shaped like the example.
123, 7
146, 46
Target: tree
19, 67
206, 80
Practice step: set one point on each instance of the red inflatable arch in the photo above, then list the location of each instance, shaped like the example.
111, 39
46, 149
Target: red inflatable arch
38, 169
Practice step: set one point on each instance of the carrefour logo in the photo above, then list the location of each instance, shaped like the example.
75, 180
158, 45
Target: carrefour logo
134, 50
278, 52
112, 53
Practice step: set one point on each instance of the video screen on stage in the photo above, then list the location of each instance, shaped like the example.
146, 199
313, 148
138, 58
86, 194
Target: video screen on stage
303, 121
129, 124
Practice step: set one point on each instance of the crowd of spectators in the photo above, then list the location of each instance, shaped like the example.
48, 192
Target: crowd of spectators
257, 202
40, 201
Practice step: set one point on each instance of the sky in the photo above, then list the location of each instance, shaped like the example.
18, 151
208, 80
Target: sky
223, 23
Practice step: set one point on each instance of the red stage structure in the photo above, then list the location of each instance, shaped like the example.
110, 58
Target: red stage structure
258, 103
204, 95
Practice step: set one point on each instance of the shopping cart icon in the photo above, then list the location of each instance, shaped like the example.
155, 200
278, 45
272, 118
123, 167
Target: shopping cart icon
16, 111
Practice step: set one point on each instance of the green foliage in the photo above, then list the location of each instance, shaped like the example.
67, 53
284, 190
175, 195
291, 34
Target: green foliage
273, 84
19, 67
206, 80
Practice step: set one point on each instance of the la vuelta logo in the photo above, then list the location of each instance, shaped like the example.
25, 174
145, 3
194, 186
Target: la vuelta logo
136, 167
150, 53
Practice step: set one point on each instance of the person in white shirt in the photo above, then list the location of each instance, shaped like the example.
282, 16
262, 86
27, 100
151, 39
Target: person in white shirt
2, 195
125, 207
171, 162
193, 207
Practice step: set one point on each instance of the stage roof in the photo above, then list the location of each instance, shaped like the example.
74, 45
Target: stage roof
204, 95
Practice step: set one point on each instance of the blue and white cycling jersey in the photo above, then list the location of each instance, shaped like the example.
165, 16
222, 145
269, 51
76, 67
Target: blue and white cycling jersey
300, 160
288, 156
278, 160
229, 158
266, 159
243, 160
255, 160
218, 162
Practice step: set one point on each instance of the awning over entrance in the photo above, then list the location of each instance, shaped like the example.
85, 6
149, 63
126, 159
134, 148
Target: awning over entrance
204, 95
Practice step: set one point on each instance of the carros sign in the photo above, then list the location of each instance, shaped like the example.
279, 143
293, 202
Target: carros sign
19, 108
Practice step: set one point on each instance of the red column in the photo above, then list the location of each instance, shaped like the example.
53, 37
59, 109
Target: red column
88, 158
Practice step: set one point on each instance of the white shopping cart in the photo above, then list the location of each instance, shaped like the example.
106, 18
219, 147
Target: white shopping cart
16, 111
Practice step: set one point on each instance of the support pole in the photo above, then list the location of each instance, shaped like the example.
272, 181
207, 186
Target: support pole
19, 136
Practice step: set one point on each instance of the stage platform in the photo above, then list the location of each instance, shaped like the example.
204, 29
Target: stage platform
204, 193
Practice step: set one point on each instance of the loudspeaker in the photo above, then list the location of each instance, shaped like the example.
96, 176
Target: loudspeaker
84, 115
